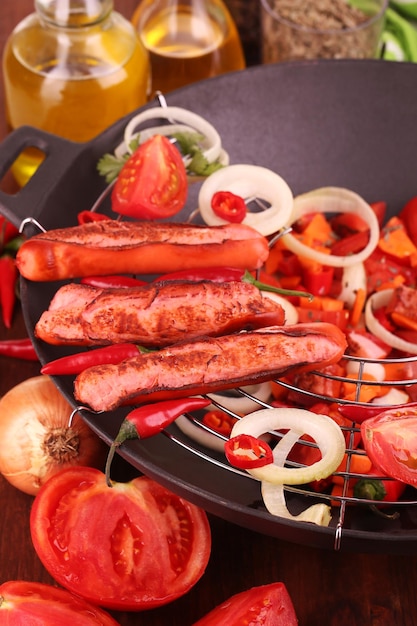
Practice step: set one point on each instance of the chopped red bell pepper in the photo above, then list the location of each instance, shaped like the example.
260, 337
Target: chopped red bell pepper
220, 421
228, 206
248, 452
318, 282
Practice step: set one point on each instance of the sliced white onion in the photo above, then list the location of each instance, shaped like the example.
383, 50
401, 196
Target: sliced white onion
321, 428
333, 200
393, 397
274, 496
189, 120
241, 404
291, 313
250, 181
353, 279
376, 301
199, 434
376, 370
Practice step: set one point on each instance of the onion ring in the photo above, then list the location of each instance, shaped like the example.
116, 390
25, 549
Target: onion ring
333, 200
321, 428
249, 181
377, 300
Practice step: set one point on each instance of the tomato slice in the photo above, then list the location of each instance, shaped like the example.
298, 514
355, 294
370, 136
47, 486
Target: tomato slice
131, 546
390, 441
23, 603
267, 604
152, 184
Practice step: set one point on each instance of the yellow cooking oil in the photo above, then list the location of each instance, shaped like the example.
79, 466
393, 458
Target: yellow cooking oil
72, 77
188, 41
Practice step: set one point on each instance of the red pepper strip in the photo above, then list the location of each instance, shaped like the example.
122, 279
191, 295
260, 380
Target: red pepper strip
229, 274
359, 413
247, 452
214, 274
84, 217
19, 349
228, 206
320, 282
112, 282
8, 278
150, 419
220, 421
76, 363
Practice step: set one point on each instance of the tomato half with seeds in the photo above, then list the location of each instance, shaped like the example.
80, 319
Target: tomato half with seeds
23, 603
132, 546
267, 604
390, 441
152, 184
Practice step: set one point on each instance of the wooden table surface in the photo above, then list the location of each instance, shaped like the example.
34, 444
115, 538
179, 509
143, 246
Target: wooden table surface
330, 588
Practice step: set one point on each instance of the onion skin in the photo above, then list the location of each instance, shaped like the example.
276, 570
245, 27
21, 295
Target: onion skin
36, 441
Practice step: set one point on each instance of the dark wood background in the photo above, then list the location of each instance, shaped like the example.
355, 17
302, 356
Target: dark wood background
328, 588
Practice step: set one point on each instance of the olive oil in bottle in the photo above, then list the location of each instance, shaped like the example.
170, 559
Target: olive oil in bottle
187, 41
72, 68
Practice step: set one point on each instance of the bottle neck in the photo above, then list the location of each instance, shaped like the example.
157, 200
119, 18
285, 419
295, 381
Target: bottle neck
73, 13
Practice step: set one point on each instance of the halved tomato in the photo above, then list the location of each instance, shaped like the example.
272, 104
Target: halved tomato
267, 604
390, 441
23, 603
131, 546
152, 184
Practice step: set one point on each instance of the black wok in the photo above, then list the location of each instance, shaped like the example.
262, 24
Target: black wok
339, 123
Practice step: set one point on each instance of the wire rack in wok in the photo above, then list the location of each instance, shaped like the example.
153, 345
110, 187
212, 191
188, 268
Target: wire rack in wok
345, 507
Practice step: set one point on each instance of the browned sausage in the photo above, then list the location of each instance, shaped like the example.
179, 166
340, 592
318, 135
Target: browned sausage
154, 315
115, 247
210, 364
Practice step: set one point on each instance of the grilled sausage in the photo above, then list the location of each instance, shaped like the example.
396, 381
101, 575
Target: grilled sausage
154, 315
210, 364
115, 247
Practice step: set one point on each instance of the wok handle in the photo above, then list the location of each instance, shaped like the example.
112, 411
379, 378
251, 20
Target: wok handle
29, 200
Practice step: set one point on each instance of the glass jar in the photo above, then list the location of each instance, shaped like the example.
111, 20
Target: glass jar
187, 41
72, 68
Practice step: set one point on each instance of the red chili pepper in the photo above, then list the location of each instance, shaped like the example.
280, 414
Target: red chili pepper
112, 282
228, 206
8, 278
247, 452
374, 488
150, 419
84, 217
359, 413
19, 349
229, 274
7, 231
214, 274
76, 363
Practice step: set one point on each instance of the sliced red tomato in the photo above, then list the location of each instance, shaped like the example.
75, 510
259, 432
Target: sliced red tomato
131, 546
228, 206
390, 441
152, 184
23, 603
267, 604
